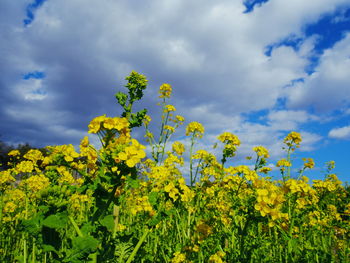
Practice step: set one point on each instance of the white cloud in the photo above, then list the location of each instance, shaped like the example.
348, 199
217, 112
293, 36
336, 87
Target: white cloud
212, 54
340, 133
328, 88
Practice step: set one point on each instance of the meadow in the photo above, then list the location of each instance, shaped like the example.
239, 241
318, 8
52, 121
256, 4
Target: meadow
115, 204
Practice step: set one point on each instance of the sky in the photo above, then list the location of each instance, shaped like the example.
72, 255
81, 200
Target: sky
256, 68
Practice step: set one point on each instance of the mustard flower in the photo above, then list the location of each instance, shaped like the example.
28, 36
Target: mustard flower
283, 163
261, 151
95, 124
169, 108
179, 148
132, 154
195, 128
308, 163
178, 257
229, 138
293, 139
165, 90
14, 153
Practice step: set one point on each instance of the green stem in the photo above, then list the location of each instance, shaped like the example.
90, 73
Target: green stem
191, 161
138, 245
75, 226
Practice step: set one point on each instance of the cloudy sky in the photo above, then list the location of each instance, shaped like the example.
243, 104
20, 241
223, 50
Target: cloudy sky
257, 68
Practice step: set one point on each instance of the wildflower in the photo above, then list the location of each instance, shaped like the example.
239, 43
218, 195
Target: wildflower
76, 201
13, 153
172, 190
169, 128
283, 163
293, 139
36, 183
165, 90
6, 178
25, 167
179, 148
179, 119
33, 155
95, 124
132, 154
308, 163
261, 151
217, 257
178, 257
66, 176
265, 170
147, 119
229, 138
69, 153
195, 128
169, 108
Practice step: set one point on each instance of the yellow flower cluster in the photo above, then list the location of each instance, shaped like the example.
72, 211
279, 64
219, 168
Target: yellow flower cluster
269, 201
169, 108
35, 183
261, 151
229, 138
293, 139
165, 90
132, 154
178, 258
140, 205
308, 163
217, 257
103, 122
195, 128
178, 147
77, 201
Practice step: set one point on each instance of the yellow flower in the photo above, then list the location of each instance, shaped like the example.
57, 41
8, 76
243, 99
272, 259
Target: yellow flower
169, 108
14, 153
265, 170
132, 154
172, 190
179, 148
165, 90
293, 138
169, 128
196, 128
178, 257
147, 119
217, 257
25, 167
229, 138
95, 124
261, 151
309, 163
36, 183
283, 163
179, 119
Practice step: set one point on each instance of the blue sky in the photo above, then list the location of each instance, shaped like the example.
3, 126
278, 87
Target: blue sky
259, 69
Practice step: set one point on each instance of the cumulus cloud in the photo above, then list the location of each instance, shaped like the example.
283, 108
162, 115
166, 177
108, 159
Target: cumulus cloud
340, 133
327, 89
212, 54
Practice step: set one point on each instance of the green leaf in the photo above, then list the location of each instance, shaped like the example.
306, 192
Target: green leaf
86, 244
134, 183
32, 226
152, 198
108, 222
56, 221
49, 248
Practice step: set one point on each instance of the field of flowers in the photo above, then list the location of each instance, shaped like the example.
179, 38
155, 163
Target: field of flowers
115, 204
